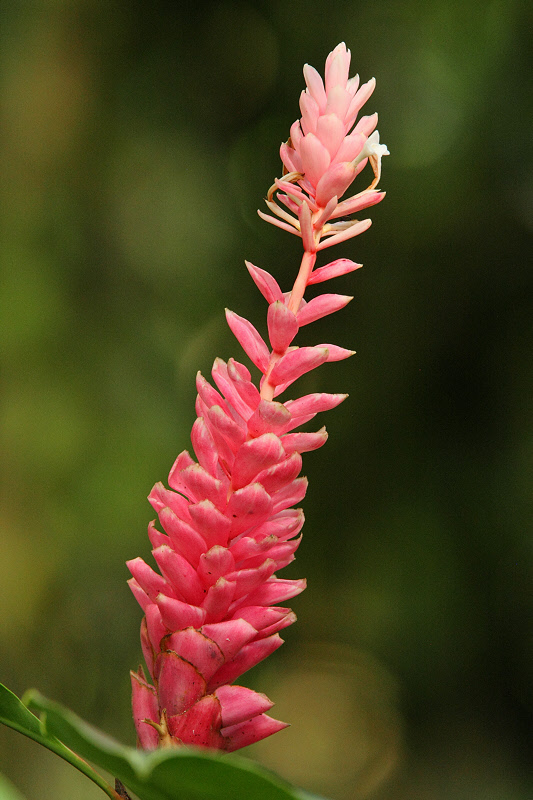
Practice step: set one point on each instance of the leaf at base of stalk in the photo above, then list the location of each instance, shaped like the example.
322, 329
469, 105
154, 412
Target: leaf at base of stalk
15, 714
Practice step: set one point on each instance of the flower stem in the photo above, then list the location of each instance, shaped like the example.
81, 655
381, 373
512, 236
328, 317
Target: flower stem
300, 284
298, 290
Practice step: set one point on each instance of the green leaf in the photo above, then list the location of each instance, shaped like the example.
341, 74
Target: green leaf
180, 774
165, 774
15, 714
8, 791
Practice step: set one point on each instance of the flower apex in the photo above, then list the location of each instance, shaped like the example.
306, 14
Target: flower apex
320, 157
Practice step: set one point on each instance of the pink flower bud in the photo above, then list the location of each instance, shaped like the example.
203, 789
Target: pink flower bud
297, 362
268, 417
304, 442
240, 704
145, 706
282, 326
179, 684
256, 455
334, 182
339, 267
197, 649
315, 158
176, 615
336, 353
252, 731
314, 403
213, 526
179, 574
249, 339
321, 306
218, 599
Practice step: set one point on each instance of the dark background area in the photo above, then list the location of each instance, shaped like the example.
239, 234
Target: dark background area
137, 142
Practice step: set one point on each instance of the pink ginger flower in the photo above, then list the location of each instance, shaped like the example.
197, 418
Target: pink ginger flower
322, 158
229, 517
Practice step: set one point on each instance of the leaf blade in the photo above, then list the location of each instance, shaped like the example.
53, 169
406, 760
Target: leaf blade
15, 714
8, 791
181, 774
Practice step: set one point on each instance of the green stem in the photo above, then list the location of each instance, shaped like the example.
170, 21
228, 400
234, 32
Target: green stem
65, 753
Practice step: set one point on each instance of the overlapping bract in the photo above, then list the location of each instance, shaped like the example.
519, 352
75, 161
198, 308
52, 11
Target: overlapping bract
228, 526
229, 521
324, 155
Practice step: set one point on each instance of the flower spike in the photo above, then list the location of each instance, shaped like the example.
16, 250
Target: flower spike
324, 155
229, 520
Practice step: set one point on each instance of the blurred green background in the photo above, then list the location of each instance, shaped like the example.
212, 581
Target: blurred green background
137, 142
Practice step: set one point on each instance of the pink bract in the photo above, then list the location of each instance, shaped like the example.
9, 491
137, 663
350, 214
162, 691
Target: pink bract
229, 523
323, 156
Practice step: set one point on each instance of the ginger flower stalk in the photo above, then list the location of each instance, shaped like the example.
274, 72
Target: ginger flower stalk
230, 519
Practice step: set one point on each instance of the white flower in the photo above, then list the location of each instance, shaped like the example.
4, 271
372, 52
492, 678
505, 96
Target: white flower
374, 151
